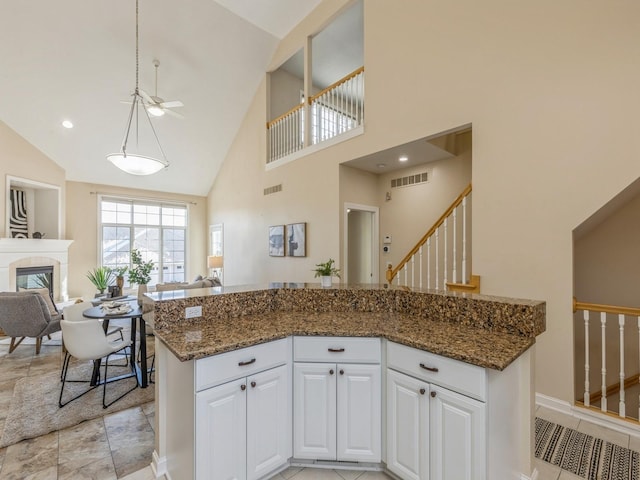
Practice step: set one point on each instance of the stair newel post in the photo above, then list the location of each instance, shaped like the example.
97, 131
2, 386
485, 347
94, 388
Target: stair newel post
389, 274
621, 407
603, 323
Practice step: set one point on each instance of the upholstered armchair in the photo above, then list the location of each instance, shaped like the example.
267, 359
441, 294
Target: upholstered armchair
25, 314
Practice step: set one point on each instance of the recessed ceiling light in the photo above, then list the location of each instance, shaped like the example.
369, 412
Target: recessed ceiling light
67, 124
403, 158
381, 165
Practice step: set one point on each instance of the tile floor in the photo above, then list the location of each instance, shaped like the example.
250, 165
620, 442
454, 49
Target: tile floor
119, 445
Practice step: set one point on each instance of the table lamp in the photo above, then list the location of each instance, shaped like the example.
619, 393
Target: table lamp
214, 262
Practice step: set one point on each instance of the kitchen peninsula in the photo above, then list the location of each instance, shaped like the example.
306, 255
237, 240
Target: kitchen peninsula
273, 374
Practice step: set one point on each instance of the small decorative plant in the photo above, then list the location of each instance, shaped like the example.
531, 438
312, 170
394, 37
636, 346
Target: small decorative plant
326, 270
140, 272
120, 271
100, 277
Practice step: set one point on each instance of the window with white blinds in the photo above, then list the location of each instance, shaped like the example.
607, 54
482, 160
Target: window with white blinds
157, 229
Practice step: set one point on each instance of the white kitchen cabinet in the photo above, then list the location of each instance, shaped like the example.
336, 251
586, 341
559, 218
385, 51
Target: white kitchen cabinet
268, 421
221, 431
337, 406
314, 411
432, 432
458, 436
407, 426
243, 426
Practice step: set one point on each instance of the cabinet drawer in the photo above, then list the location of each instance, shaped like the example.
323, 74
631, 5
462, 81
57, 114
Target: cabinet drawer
336, 349
461, 377
228, 366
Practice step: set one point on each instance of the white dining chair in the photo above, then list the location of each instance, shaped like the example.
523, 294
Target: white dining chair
85, 340
73, 313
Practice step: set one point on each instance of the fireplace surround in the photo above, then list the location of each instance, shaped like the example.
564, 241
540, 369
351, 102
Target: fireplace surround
28, 252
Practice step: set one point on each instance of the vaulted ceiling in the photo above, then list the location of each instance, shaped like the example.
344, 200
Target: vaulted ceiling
75, 60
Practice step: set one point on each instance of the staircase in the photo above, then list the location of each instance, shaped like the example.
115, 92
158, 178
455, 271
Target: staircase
442, 257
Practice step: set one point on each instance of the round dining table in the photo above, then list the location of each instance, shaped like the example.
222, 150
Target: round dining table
135, 313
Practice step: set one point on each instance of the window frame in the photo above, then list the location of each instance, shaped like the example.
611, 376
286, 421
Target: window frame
162, 203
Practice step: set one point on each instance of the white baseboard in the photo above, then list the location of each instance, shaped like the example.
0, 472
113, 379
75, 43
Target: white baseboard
159, 466
534, 475
589, 415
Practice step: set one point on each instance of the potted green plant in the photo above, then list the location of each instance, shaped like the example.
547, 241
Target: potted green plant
140, 272
100, 277
326, 271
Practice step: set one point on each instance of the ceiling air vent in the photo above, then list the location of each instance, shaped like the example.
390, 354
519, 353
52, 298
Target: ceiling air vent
409, 180
274, 189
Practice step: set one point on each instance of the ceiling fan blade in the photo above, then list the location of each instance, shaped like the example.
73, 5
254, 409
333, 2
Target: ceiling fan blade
147, 98
172, 104
172, 113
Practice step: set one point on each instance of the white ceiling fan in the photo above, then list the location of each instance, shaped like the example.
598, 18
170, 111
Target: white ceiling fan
155, 105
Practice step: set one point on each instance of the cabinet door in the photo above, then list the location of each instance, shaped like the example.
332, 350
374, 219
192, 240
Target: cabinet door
221, 414
457, 436
314, 411
268, 421
359, 413
407, 426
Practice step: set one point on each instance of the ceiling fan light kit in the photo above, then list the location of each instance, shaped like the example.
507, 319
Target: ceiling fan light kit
134, 163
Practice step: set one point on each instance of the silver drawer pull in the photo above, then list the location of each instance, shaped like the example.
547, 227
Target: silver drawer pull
248, 362
335, 350
431, 369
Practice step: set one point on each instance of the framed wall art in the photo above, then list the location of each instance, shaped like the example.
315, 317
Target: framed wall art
297, 240
276, 241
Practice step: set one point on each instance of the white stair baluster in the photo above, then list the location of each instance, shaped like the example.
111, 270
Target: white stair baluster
420, 261
454, 256
603, 340
413, 270
429, 266
436, 259
464, 240
621, 407
587, 397
444, 267
405, 274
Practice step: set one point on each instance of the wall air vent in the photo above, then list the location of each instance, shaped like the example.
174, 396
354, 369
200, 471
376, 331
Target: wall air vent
274, 189
410, 180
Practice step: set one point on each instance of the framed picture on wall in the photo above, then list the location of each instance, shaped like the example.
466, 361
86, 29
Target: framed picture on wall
297, 240
276, 241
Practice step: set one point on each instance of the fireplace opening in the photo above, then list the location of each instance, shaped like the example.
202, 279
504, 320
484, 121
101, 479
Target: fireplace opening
35, 277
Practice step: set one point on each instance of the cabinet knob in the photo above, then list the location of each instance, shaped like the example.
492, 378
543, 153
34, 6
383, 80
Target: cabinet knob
243, 387
331, 372
253, 384
341, 372
433, 394
422, 391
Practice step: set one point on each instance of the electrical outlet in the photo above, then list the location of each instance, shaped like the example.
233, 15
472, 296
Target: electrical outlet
193, 312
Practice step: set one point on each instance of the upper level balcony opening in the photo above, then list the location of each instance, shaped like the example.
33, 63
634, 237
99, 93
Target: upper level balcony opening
309, 110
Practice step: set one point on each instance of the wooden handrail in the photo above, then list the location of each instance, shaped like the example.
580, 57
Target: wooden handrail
336, 84
594, 307
285, 114
391, 273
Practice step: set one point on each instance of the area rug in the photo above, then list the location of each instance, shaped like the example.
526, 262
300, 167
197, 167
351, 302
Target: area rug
584, 455
34, 407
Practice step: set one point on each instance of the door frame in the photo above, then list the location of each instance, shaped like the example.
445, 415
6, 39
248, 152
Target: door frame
375, 241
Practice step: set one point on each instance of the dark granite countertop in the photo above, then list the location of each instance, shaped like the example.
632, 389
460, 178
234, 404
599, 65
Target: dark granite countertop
193, 340
489, 332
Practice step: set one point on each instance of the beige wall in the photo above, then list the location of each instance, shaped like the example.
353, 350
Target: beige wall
82, 228
553, 99
18, 158
284, 92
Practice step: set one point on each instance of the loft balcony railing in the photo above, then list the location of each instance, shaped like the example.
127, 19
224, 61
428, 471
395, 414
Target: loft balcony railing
337, 109
609, 351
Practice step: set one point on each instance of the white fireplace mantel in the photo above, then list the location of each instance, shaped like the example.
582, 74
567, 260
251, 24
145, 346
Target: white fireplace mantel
34, 252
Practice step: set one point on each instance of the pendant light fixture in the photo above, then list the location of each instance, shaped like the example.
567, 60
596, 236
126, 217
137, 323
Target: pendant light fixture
134, 163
